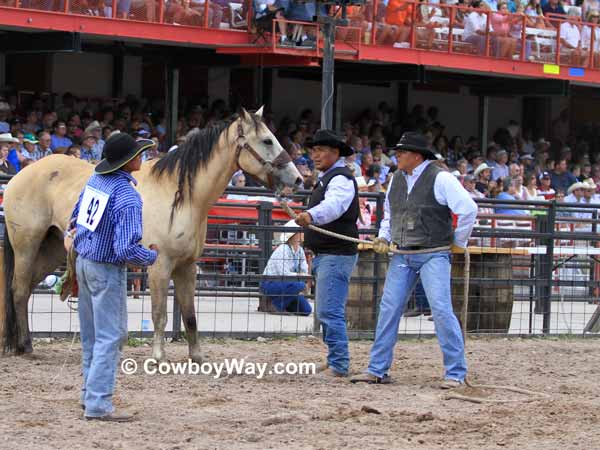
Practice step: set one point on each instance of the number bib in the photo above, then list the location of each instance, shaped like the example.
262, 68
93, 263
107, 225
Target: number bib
92, 207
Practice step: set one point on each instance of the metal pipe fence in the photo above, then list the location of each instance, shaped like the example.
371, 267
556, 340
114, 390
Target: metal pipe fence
535, 271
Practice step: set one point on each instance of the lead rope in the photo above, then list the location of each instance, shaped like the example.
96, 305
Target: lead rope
465, 307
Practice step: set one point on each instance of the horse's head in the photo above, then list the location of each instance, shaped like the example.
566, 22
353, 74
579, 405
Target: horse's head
260, 154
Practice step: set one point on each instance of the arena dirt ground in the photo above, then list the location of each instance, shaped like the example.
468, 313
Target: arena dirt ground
39, 406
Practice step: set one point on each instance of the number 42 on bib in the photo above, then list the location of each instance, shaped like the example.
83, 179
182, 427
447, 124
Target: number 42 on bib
92, 207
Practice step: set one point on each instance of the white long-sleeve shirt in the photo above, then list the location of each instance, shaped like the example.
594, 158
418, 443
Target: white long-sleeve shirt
447, 191
284, 261
338, 196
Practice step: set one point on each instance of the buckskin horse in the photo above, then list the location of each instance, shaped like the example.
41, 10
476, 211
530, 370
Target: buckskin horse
177, 190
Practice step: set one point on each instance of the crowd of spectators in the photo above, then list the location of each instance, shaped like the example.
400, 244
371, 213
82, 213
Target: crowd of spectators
517, 164
394, 21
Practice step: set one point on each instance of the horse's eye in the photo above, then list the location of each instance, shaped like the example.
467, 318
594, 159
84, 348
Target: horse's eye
268, 142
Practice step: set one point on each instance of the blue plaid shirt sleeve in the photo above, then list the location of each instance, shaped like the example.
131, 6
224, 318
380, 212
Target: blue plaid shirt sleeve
128, 234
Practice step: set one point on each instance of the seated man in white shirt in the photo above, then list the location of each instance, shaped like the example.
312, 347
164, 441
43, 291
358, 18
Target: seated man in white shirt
570, 39
288, 260
475, 26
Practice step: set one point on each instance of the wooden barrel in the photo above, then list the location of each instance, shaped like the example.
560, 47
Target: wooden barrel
490, 291
366, 288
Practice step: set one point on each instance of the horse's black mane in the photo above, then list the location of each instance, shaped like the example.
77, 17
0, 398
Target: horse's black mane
194, 153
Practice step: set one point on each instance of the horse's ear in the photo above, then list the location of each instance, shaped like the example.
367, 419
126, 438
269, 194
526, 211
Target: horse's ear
259, 113
245, 115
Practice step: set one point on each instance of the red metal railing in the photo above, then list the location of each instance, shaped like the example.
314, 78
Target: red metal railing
414, 25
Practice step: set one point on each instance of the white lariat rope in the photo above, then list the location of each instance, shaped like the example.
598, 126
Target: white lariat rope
465, 307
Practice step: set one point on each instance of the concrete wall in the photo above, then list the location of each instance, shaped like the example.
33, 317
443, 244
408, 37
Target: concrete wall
458, 111
357, 97
84, 74
218, 83
132, 75
290, 96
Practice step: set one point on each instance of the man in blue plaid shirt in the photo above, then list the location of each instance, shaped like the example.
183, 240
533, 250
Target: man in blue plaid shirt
107, 221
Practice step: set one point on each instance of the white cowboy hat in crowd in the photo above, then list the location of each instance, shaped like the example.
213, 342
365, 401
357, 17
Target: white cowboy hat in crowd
7, 137
578, 185
283, 236
480, 168
589, 183
4, 106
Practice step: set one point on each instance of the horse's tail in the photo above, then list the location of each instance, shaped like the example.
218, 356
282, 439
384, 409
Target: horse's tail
11, 334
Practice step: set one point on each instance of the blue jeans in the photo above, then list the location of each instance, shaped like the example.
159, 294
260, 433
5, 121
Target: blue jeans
421, 303
332, 275
434, 269
285, 296
103, 324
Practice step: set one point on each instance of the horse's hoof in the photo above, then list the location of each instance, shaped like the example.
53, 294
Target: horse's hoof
197, 359
159, 356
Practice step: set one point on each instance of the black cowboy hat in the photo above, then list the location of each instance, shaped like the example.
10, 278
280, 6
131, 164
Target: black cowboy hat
119, 149
413, 141
330, 139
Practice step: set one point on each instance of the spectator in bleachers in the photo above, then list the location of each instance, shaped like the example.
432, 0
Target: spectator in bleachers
238, 180
288, 260
95, 130
6, 166
469, 184
475, 24
353, 165
455, 149
398, 14
74, 151
365, 214
561, 177
366, 162
509, 192
589, 192
377, 149
32, 125
491, 156
500, 170
4, 113
500, 23
29, 146
553, 7
87, 151
59, 138
530, 191
545, 189
575, 192
570, 38
43, 149
514, 170
593, 17
519, 188
482, 175
535, 15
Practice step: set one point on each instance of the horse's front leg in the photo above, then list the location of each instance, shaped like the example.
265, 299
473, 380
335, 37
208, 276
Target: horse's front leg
158, 278
184, 278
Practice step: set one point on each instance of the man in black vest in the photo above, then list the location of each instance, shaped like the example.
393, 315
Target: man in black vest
333, 206
418, 220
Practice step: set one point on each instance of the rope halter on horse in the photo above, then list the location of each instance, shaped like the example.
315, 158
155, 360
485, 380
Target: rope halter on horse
280, 161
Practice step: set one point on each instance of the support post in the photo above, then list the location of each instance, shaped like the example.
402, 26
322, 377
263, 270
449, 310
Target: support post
328, 72
338, 106
548, 261
483, 122
171, 103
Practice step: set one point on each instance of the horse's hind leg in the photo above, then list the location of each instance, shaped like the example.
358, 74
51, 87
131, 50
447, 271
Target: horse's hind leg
30, 269
184, 278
